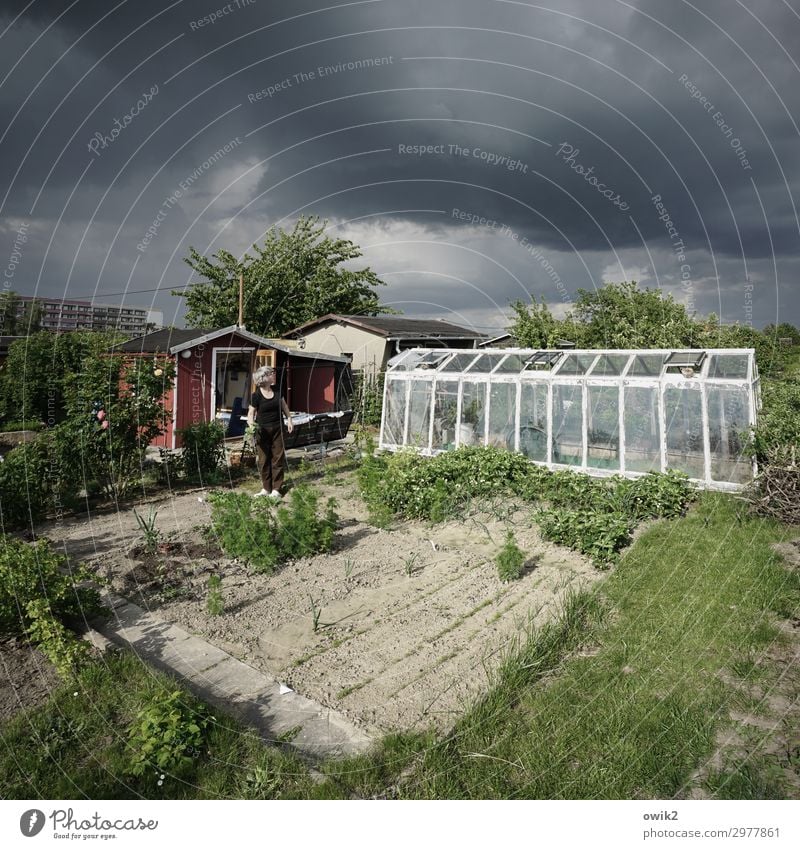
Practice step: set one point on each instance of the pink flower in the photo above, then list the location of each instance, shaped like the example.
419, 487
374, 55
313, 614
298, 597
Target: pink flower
101, 415
104, 426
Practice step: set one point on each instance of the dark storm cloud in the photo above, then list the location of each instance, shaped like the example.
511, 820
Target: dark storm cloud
559, 125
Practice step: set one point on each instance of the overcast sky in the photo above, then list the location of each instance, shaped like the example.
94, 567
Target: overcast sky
480, 151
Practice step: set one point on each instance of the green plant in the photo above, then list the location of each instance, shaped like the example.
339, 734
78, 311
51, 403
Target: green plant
166, 735
64, 650
12, 426
244, 528
24, 492
32, 572
215, 604
316, 612
298, 530
348, 567
510, 559
170, 467
114, 410
203, 453
409, 563
150, 533
599, 535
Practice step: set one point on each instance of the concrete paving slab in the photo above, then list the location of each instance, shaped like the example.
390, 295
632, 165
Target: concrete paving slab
311, 729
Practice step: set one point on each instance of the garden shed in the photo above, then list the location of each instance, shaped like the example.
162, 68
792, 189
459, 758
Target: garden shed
602, 412
213, 381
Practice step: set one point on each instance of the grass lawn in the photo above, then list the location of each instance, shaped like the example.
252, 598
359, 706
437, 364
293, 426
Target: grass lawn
624, 696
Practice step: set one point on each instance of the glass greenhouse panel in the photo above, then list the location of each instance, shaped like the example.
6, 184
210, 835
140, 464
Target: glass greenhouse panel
728, 366
502, 415
533, 420
683, 410
445, 415
473, 406
512, 364
575, 364
603, 427
485, 363
642, 429
419, 413
646, 365
568, 424
728, 424
610, 365
460, 361
394, 413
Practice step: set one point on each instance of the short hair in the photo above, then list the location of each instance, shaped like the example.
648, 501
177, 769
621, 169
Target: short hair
262, 374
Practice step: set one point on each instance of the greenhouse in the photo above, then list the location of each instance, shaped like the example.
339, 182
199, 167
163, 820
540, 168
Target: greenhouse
602, 412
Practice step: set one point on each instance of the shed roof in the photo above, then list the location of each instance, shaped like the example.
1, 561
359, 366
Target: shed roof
174, 340
393, 327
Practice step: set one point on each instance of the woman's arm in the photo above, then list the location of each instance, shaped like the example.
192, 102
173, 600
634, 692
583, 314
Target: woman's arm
285, 408
251, 415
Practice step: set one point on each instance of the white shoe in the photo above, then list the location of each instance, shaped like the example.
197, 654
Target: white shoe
274, 494
258, 494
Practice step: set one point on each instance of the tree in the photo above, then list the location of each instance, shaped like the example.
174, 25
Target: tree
18, 317
37, 369
621, 315
292, 278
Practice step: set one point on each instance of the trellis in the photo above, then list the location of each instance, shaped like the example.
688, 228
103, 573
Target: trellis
602, 412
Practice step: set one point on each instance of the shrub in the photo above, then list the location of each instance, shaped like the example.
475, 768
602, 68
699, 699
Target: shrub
599, 535
203, 452
298, 530
246, 529
64, 650
115, 408
510, 559
33, 571
655, 496
12, 427
166, 735
38, 595
24, 493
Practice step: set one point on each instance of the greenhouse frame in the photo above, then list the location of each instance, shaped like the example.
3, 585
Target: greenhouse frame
603, 412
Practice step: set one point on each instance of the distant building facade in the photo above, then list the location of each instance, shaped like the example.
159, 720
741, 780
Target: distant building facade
58, 314
370, 341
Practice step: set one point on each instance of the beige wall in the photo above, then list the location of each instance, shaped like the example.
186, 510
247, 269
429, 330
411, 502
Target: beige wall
368, 349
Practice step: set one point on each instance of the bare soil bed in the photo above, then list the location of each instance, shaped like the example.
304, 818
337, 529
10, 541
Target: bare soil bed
26, 678
413, 621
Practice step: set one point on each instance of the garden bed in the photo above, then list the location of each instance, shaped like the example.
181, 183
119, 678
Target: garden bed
411, 622
27, 678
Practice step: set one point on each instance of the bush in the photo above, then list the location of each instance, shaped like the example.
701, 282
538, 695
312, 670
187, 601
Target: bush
24, 492
598, 535
33, 571
203, 452
298, 530
510, 559
655, 496
12, 427
166, 735
246, 529
38, 595
594, 516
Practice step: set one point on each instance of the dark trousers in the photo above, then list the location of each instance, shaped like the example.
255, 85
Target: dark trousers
270, 457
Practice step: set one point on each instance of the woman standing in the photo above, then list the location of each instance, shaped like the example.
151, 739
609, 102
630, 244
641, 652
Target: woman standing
265, 410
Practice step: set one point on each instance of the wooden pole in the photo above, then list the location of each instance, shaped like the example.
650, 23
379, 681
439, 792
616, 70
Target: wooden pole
241, 300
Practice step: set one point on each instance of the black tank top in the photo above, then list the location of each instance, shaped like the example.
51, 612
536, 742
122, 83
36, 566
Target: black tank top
268, 410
